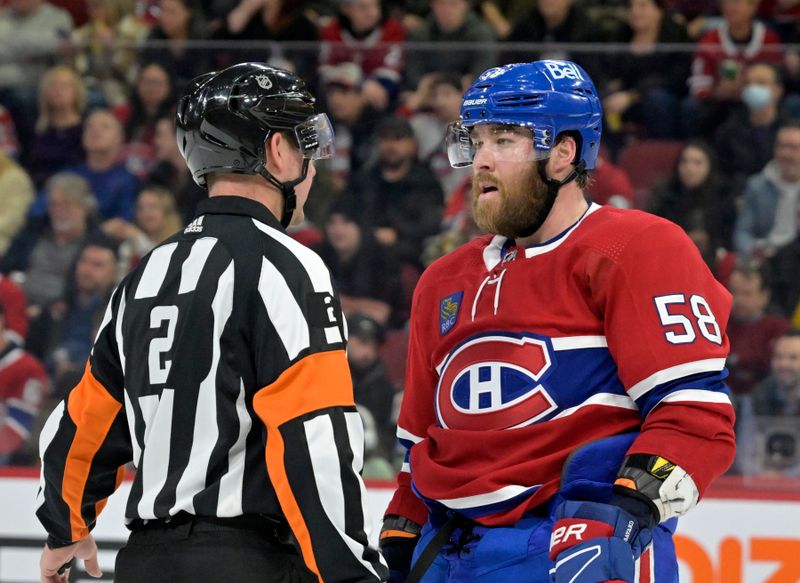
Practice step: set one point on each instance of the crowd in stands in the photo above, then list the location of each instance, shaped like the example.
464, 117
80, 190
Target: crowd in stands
702, 126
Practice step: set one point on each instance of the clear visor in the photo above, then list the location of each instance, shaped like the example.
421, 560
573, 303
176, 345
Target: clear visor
315, 136
503, 142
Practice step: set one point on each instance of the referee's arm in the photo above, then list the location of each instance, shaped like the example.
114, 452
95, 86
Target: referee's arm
85, 443
315, 438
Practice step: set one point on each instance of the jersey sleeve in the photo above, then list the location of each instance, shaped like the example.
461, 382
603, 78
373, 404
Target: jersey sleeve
314, 450
416, 412
665, 318
85, 442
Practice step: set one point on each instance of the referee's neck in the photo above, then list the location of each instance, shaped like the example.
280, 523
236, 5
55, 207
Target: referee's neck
245, 186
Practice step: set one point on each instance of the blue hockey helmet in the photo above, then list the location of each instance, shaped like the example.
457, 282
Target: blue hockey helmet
548, 97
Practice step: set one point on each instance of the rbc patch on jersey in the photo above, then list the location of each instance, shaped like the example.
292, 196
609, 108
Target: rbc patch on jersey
448, 311
493, 381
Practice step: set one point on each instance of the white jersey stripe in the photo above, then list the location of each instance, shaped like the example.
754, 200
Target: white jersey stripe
284, 312
315, 267
157, 414
603, 399
696, 396
155, 271
130, 415
230, 485
327, 472
45, 439
206, 431
193, 265
542, 249
478, 500
675, 372
578, 342
118, 331
407, 435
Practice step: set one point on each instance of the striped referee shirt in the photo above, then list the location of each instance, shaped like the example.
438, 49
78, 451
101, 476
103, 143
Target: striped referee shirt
219, 370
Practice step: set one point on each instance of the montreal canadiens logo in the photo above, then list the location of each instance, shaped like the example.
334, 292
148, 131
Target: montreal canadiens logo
494, 382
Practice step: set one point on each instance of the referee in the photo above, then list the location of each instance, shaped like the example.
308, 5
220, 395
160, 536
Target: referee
219, 370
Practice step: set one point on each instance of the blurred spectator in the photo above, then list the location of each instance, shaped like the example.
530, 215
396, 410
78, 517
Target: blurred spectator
610, 184
16, 306
112, 184
16, 195
354, 120
156, 220
459, 225
43, 252
361, 33
72, 324
31, 34
751, 330
268, 20
643, 86
776, 396
451, 21
152, 99
376, 463
502, 15
768, 215
400, 197
371, 385
551, 21
9, 144
430, 129
23, 388
366, 273
779, 393
696, 195
745, 141
57, 143
717, 68
105, 54
171, 173
177, 22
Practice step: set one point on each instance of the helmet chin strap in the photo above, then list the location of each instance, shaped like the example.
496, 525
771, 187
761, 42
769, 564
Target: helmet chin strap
553, 187
287, 190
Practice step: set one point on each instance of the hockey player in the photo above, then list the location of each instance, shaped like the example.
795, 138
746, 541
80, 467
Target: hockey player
564, 395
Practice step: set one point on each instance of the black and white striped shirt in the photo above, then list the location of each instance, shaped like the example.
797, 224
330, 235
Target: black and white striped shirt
219, 370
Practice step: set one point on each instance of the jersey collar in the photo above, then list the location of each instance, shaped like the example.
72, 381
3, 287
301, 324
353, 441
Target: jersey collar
493, 253
238, 205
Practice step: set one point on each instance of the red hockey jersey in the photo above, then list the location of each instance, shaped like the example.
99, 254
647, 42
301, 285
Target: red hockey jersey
23, 388
518, 356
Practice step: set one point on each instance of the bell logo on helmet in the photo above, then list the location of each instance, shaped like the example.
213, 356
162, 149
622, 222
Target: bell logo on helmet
264, 81
563, 70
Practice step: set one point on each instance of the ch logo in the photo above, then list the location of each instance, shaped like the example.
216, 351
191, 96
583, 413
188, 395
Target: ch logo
493, 381
264, 81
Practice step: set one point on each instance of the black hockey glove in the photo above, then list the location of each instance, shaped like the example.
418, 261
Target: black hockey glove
399, 536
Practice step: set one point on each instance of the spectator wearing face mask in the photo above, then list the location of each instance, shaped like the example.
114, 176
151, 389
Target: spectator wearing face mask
744, 142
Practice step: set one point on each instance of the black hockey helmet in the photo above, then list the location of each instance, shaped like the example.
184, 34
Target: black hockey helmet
225, 117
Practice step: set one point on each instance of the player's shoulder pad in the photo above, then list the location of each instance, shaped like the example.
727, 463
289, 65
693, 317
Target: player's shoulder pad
613, 230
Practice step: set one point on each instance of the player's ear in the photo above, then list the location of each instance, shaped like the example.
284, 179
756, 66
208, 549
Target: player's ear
563, 154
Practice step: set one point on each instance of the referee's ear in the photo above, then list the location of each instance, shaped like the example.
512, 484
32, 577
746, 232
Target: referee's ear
280, 157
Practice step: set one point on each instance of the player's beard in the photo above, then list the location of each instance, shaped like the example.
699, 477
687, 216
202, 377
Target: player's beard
515, 207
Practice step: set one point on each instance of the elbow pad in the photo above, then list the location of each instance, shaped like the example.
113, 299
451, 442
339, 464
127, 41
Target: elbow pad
665, 487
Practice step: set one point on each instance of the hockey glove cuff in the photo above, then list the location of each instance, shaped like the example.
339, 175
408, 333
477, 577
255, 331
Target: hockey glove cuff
399, 536
595, 543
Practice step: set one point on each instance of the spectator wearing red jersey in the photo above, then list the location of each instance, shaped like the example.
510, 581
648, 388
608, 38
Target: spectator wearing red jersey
361, 33
23, 388
717, 79
16, 317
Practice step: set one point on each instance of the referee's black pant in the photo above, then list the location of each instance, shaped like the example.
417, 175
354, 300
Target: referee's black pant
191, 549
